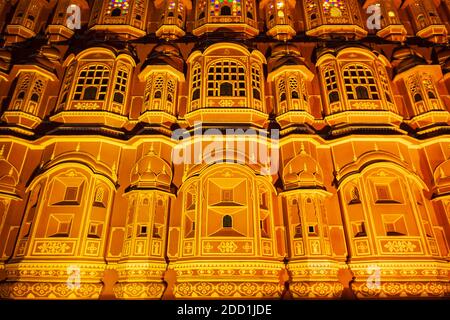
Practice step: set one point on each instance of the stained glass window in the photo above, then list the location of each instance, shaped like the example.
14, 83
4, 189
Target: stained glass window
225, 7
334, 8
118, 7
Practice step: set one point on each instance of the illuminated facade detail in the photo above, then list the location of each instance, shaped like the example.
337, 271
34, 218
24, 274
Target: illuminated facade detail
96, 88
58, 29
324, 16
119, 177
357, 91
391, 27
419, 80
234, 80
427, 23
25, 22
219, 15
173, 19
279, 18
125, 18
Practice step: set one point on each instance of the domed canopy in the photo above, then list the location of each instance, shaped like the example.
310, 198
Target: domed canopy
405, 58
151, 172
284, 54
444, 59
5, 59
165, 54
51, 53
302, 172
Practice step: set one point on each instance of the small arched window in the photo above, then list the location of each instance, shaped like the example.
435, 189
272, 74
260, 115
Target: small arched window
118, 97
226, 89
431, 95
196, 82
34, 97
117, 12
225, 11
92, 83
418, 97
21, 95
360, 83
227, 221
90, 93
226, 78
362, 93
333, 96
157, 94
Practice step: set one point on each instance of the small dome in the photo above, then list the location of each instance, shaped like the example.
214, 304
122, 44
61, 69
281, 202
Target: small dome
283, 55
9, 177
302, 172
165, 54
404, 58
285, 49
151, 172
444, 59
5, 59
51, 53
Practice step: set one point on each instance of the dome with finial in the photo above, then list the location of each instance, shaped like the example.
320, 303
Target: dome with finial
443, 56
165, 54
404, 58
151, 172
302, 172
9, 177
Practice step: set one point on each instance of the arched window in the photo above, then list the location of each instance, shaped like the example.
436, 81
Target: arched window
117, 12
360, 83
223, 8
333, 96
225, 11
293, 87
256, 82
196, 82
418, 97
362, 93
225, 76
90, 93
21, 95
158, 87
331, 85
118, 97
34, 97
226, 89
94, 79
117, 8
121, 86
170, 90
282, 90
227, 221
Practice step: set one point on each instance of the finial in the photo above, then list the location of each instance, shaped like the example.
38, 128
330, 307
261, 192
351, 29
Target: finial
114, 170
2, 151
302, 148
77, 148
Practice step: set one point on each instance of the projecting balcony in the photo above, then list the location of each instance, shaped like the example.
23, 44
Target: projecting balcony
91, 112
233, 23
171, 28
227, 110
364, 114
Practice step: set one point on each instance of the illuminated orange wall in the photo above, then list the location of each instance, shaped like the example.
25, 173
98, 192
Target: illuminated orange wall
94, 205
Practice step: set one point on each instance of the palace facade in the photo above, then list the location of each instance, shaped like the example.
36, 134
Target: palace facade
355, 105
